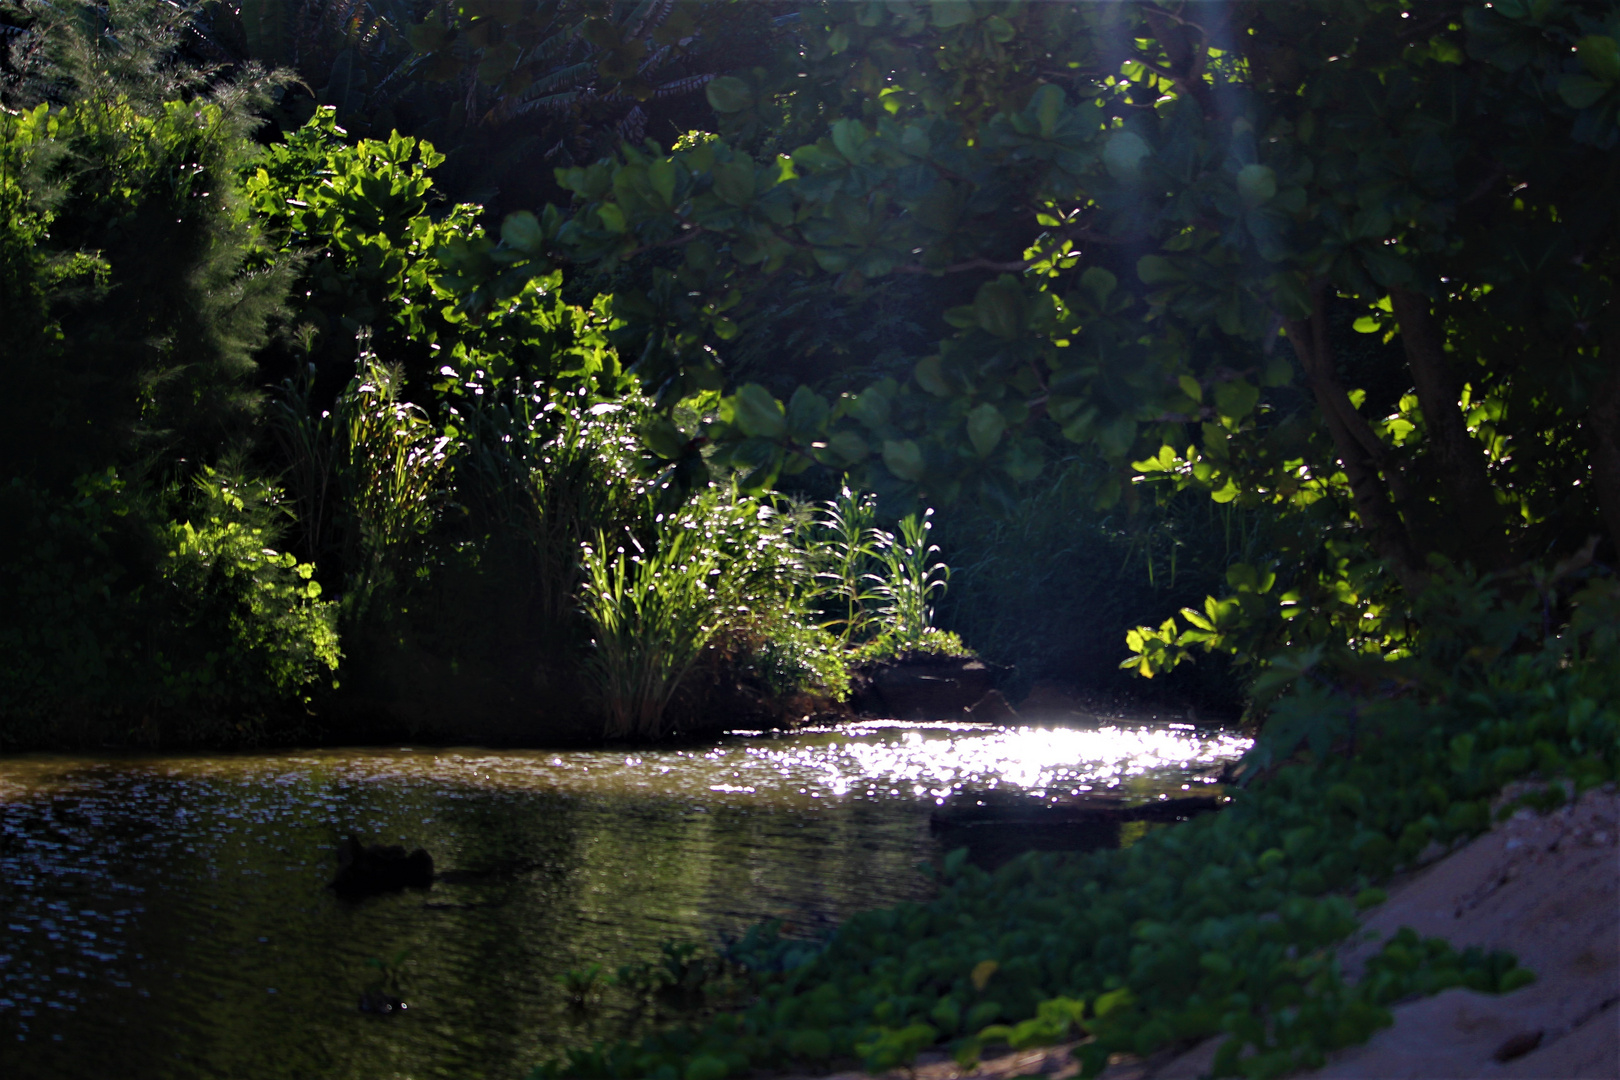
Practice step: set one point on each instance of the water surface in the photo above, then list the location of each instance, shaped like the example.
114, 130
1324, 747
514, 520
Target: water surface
169, 916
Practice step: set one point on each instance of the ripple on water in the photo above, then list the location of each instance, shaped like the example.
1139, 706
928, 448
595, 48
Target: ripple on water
167, 916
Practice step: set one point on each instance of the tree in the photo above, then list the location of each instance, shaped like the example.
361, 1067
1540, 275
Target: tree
1164, 215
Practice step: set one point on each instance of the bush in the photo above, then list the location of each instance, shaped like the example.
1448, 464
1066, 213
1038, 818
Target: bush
118, 625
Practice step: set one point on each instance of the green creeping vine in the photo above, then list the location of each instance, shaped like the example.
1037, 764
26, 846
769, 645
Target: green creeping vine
1225, 925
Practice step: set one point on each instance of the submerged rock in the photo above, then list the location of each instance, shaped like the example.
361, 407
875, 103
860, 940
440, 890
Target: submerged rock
367, 869
380, 1004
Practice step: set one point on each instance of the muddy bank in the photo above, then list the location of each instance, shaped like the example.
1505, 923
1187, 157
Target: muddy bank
1544, 887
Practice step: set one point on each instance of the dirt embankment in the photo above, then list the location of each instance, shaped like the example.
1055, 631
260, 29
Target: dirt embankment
1544, 887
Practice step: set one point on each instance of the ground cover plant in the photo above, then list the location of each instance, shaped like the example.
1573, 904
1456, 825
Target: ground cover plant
1222, 926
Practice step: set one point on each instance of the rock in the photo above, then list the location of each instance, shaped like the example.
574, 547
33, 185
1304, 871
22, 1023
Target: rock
924, 687
368, 869
380, 1004
993, 709
1048, 700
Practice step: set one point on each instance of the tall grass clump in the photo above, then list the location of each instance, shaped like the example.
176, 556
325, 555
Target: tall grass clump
725, 583
877, 589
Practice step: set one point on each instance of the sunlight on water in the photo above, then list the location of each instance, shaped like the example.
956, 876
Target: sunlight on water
171, 911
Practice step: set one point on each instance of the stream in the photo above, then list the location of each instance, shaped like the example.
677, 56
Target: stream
168, 916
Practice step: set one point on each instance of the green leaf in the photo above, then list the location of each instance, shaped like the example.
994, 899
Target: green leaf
1291, 296
872, 407
849, 447
1581, 91
1157, 270
1279, 372
734, 182
930, 375
915, 141
1190, 387
758, 413
663, 438
1123, 155
948, 13
1236, 399
1100, 283
728, 94
1024, 461
1256, 185
612, 217
522, 231
998, 308
848, 136
985, 425
806, 414
662, 174
904, 459
1600, 55
1047, 108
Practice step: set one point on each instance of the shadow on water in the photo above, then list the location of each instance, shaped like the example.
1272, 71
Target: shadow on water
170, 916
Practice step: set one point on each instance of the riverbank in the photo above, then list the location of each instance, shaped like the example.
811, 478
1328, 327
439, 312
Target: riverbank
1543, 887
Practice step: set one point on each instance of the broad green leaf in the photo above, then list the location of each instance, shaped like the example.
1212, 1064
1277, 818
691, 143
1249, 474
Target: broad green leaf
998, 308
849, 447
728, 94
1123, 154
1100, 283
834, 262
999, 30
848, 136
807, 412
662, 175
1157, 270
904, 459
1256, 185
1047, 107
985, 425
612, 217
758, 413
1236, 399
734, 181
1023, 461
663, 438
871, 407
522, 231
1600, 55
1581, 91
1190, 387
948, 13
930, 375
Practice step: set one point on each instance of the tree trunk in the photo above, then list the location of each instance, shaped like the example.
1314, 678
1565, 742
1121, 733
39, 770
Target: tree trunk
1458, 460
1366, 465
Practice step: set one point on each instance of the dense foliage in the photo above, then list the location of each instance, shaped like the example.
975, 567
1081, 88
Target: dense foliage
1150, 231
288, 432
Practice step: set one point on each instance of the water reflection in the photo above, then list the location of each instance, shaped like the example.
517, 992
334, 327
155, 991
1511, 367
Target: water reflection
168, 916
